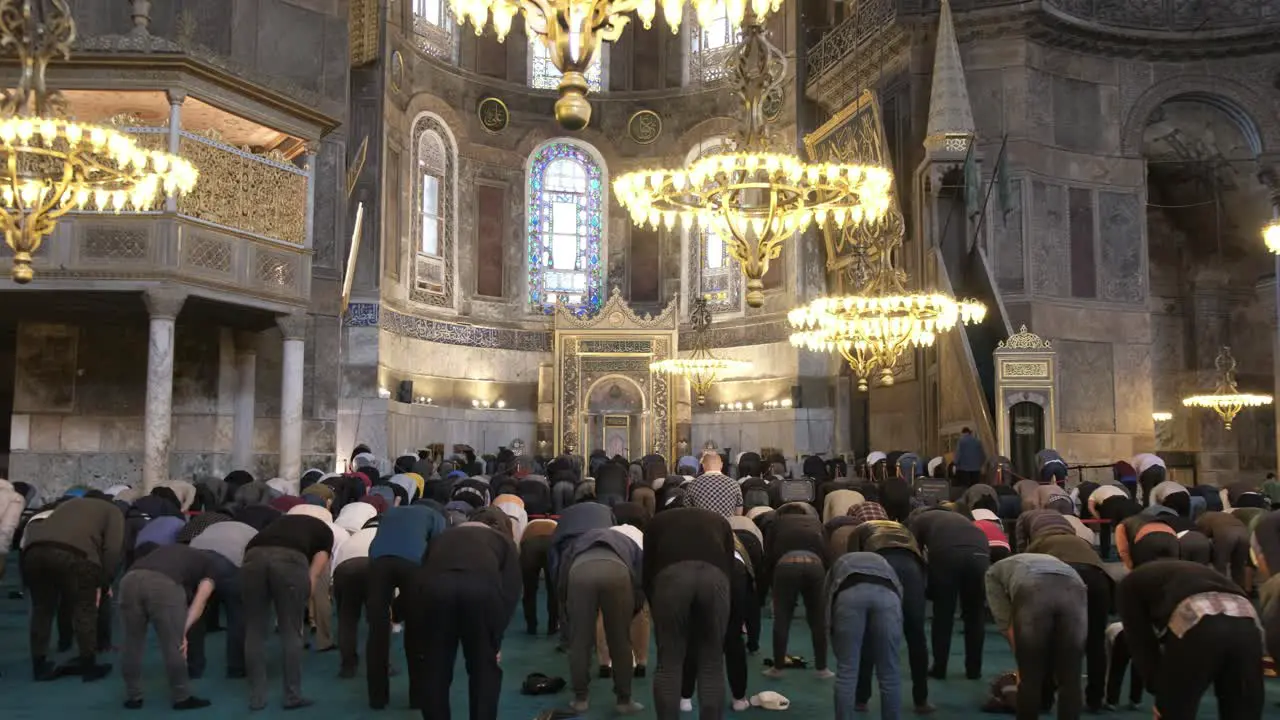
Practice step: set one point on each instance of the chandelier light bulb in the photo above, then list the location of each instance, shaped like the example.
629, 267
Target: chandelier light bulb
1271, 236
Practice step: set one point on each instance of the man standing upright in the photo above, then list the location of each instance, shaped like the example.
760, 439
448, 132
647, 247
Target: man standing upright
969, 458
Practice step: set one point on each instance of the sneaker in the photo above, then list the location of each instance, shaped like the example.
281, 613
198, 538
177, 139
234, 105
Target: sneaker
824, 674
43, 670
740, 705
579, 705
298, 704
134, 704
924, 709
93, 673
773, 672
630, 707
686, 704
192, 703
397, 628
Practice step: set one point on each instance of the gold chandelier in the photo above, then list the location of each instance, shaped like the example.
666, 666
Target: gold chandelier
702, 369
1227, 400
750, 196
874, 327
572, 30
53, 165
1271, 236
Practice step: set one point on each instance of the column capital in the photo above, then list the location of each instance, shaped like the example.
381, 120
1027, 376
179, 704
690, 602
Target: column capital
293, 327
177, 96
246, 342
164, 302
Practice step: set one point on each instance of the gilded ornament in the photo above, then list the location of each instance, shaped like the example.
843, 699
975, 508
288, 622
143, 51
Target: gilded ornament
397, 71
645, 126
493, 115
246, 192
1024, 340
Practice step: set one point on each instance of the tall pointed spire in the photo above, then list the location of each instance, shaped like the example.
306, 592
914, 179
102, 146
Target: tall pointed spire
950, 125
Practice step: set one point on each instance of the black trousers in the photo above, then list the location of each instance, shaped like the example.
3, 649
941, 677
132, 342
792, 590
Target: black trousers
1116, 665
533, 562
803, 579
350, 593
968, 478
59, 577
1098, 587
735, 650
228, 594
388, 574
690, 609
1222, 651
911, 574
958, 577
458, 609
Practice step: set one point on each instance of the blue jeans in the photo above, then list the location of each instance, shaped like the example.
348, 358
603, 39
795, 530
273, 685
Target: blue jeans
867, 613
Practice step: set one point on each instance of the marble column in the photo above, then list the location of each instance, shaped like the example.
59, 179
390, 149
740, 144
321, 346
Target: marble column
176, 99
163, 304
244, 401
294, 329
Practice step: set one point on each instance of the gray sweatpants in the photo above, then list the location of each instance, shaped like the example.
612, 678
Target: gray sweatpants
604, 587
151, 598
274, 578
690, 609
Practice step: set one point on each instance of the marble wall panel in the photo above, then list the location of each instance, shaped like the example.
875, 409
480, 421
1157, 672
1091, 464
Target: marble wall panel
195, 368
1133, 388
1086, 387
1039, 106
45, 358
1077, 107
46, 433
82, 434
1121, 237
1010, 251
986, 96
1050, 241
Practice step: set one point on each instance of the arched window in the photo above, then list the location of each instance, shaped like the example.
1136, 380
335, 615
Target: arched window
543, 74
433, 28
712, 272
434, 183
566, 227
710, 46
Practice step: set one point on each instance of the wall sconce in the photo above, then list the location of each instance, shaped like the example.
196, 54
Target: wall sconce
489, 404
1162, 416
424, 400
777, 404
737, 407
384, 393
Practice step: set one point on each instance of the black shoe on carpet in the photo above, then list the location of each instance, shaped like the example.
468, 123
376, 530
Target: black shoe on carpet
298, 704
937, 674
43, 671
192, 703
133, 704
93, 673
638, 672
606, 672
974, 675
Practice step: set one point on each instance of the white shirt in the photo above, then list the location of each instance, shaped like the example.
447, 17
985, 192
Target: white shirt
356, 546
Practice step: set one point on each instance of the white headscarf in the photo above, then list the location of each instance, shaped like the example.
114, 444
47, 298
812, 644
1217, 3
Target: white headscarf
354, 516
632, 532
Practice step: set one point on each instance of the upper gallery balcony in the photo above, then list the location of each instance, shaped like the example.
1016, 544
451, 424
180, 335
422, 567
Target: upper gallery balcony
244, 231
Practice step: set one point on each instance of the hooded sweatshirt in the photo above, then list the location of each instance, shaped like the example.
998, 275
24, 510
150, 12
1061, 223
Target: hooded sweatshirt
87, 526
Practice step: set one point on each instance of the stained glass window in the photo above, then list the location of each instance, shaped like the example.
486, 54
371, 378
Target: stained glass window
714, 274
433, 28
543, 74
566, 228
711, 45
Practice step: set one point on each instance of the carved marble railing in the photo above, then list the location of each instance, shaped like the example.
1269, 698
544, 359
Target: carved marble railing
869, 18
1171, 15
140, 247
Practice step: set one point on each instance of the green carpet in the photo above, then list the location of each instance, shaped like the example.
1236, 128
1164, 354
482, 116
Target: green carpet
21, 699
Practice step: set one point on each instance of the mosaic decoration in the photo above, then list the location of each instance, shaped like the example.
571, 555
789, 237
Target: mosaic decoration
543, 74
445, 333
493, 115
616, 346
434, 155
580, 187
644, 127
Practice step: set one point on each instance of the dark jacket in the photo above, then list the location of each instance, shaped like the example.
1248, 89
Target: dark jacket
943, 532
686, 534
87, 526
1149, 594
575, 521
624, 547
473, 548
